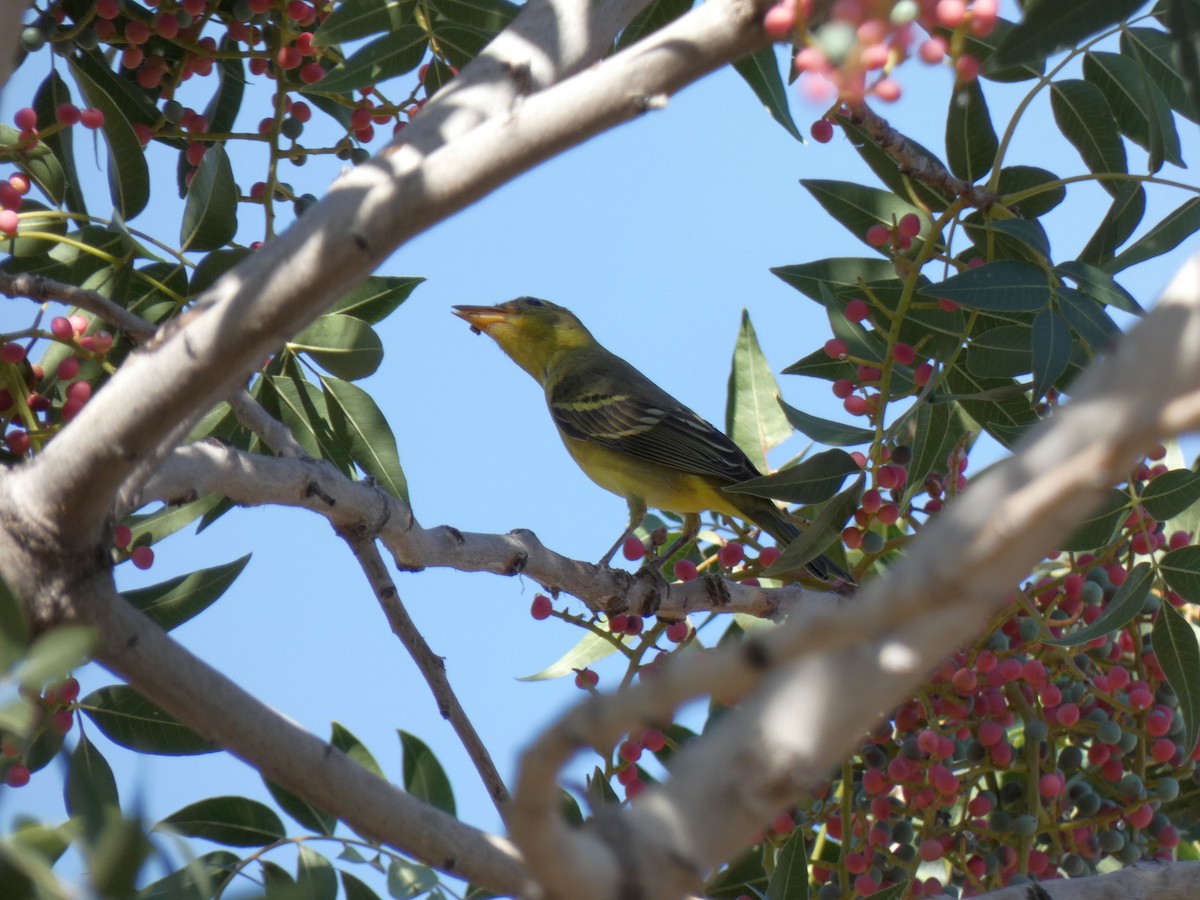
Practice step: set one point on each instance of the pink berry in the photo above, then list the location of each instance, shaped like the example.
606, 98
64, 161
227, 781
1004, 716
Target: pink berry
92, 118
25, 118
888, 90
909, 225
932, 50
835, 348
79, 390
67, 369
142, 556
731, 554
633, 549
904, 354
677, 632
61, 328
79, 323
17, 775
685, 570
878, 235
122, 535
967, 67
780, 20
951, 13
12, 353
931, 850
9, 221
68, 691
17, 441
312, 73
822, 131
857, 310
541, 607
586, 678
288, 58
653, 740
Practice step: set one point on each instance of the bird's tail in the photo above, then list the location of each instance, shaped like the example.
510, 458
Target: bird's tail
781, 527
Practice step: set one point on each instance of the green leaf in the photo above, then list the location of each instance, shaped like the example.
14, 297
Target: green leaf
153, 527
1164, 138
820, 534
1084, 118
354, 748
837, 275
461, 45
129, 719
213, 265
355, 889
760, 70
983, 48
353, 19
1152, 48
424, 776
1020, 239
128, 172
406, 879
393, 54
302, 408
210, 212
490, 16
14, 626
1099, 285
199, 879
376, 298
858, 208
825, 431
1122, 218
1120, 611
1171, 493
932, 442
590, 648
1180, 224
1183, 25
1174, 641
1181, 570
316, 879
222, 110
54, 654
315, 820
236, 821
650, 19
789, 880
818, 364
1051, 350
1060, 25
176, 600
1119, 78
365, 434
813, 480
1018, 179
1100, 528
971, 142
752, 415
91, 789
52, 163
999, 405
1087, 318
341, 345
1003, 286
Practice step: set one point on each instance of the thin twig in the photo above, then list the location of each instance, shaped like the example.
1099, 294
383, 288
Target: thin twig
40, 288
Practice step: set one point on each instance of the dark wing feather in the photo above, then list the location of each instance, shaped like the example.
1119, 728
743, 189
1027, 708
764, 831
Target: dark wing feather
615, 406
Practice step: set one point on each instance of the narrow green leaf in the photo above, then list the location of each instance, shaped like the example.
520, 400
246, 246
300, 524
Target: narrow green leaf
406, 880
316, 879
999, 405
153, 527
301, 406
1050, 27
1181, 569
818, 364
1122, 218
1020, 239
355, 889
1099, 285
825, 431
366, 435
820, 534
490, 16
341, 345
1120, 611
461, 44
236, 821
752, 415
353, 19
424, 776
813, 480
1164, 138
222, 110
1051, 350
1171, 493
52, 163
376, 298
1084, 118
129, 719
1087, 319
210, 212
1153, 49
315, 820
838, 275
1183, 25
760, 70
90, 788
857, 207
589, 649
650, 19
14, 627
176, 600
1178, 226
199, 879
1119, 78
1100, 528
931, 444
1018, 179
971, 142
1003, 286
1174, 641
345, 741
383, 58
128, 172
789, 880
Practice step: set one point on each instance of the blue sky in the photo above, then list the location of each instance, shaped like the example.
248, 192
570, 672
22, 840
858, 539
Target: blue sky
657, 235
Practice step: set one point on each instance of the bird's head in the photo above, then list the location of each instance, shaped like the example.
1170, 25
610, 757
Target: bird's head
529, 330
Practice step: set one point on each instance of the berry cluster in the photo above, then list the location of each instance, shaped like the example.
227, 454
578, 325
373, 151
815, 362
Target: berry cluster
53, 716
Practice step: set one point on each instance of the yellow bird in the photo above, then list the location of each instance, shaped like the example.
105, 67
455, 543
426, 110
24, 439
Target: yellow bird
627, 434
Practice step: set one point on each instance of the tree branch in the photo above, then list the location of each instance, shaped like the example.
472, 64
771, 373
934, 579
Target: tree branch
816, 693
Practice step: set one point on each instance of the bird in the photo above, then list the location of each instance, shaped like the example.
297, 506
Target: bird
625, 432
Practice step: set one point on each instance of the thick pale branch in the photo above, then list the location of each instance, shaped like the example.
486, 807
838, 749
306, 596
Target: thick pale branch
204, 354
816, 694
1141, 881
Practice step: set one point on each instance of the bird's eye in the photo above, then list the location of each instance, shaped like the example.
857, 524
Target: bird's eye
534, 301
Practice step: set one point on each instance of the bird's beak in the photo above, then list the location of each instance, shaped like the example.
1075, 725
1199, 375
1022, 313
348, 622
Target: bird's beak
480, 317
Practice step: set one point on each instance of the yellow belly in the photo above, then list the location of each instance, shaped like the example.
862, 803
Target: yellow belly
654, 485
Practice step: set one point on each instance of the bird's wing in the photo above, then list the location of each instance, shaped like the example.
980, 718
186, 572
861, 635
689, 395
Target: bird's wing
616, 406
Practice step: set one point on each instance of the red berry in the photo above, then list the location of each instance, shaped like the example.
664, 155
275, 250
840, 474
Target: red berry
857, 310
301, 111
633, 549
630, 751
17, 441
731, 554
685, 570
9, 221
92, 118
768, 555
68, 691
541, 607
67, 113
904, 354
653, 740
17, 775
142, 557
931, 850
888, 90
122, 535
677, 632
835, 348
932, 50
194, 7
586, 678
967, 67
878, 235
312, 73
107, 9
79, 390
12, 353
132, 57
61, 721
288, 58
822, 131
25, 118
